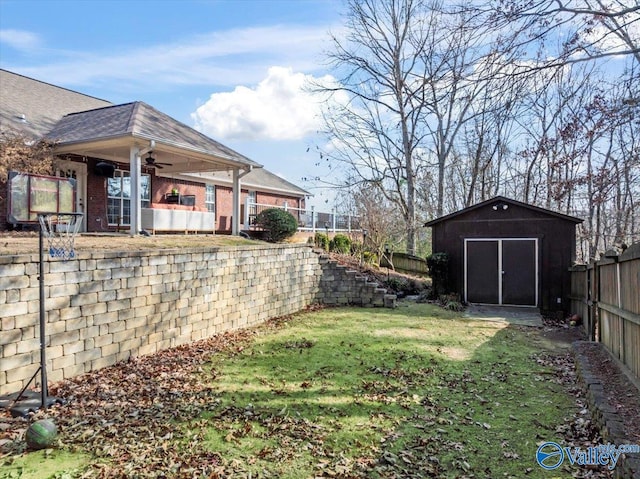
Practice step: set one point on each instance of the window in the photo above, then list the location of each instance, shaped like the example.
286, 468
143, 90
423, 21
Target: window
253, 208
119, 196
210, 198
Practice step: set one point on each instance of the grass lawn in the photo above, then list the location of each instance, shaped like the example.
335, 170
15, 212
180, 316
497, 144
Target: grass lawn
13, 243
413, 392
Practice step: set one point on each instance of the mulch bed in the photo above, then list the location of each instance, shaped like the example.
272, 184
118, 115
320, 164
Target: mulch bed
619, 392
620, 396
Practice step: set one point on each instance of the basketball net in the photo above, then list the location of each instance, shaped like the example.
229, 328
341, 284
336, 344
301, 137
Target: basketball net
60, 230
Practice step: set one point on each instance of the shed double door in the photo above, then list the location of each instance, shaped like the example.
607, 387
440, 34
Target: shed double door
501, 271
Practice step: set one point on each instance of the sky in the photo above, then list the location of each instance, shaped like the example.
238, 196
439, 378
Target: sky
233, 69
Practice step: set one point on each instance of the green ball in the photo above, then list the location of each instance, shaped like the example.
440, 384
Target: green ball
41, 434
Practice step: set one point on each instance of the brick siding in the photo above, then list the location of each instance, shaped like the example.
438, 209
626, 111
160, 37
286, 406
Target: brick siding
96, 207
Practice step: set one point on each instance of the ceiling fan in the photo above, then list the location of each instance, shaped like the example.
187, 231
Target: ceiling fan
151, 162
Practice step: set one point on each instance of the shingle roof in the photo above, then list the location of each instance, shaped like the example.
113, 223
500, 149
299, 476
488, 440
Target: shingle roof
261, 180
41, 104
264, 178
503, 199
139, 120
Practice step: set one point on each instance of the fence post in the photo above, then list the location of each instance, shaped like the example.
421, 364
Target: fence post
313, 220
349, 222
596, 300
589, 294
333, 219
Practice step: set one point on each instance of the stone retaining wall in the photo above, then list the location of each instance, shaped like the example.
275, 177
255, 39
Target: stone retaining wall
341, 286
105, 307
605, 416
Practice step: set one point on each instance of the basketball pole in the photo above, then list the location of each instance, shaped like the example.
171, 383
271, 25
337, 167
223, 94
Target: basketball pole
43, 347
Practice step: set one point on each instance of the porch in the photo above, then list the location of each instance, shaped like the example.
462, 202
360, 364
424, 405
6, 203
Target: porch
137, 138
309, 220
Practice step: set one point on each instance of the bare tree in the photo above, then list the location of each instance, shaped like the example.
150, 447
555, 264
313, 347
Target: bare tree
376, 134
464, 84
23, 154
380, 218
415, 74
450, 105
591, 29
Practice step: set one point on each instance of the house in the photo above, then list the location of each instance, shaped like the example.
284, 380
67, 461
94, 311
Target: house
259, 186
505, 252
136, 167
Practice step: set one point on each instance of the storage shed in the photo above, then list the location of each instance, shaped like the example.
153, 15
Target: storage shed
506, 252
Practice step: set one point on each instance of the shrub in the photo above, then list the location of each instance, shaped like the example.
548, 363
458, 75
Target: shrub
425, 296
278, 224
438, 265
370, 258
395, 284
340, 244
322, 241
405, 286
451, 302
415, 286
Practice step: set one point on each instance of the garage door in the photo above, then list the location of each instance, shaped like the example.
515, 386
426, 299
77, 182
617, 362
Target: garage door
501, 271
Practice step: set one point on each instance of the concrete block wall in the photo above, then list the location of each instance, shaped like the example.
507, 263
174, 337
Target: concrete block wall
105, 307
341, 286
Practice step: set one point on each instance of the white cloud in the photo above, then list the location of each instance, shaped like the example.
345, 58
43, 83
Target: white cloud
607, 41
222, 58
278, 108
19, 39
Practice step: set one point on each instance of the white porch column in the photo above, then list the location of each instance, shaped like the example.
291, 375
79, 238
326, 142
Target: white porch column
247, 205
237, 190
136, 172
235, 214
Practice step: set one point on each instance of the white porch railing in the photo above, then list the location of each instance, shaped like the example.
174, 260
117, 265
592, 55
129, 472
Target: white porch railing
308, 219
159, 219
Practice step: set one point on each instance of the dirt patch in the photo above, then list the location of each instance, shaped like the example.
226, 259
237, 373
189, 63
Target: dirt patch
457, 354
562, 337
620, 393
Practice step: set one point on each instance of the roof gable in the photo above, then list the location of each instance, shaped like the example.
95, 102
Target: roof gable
137, 119
259, 179
508, 201
262, 178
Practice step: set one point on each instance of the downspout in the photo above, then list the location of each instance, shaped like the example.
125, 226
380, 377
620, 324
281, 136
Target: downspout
235, 214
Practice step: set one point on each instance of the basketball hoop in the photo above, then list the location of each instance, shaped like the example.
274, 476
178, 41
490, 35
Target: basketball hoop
60, 230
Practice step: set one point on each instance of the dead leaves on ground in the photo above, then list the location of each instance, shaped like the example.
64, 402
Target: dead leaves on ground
132, 417
128, 415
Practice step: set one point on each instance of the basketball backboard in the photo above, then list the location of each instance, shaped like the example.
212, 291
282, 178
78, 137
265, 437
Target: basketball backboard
32, 194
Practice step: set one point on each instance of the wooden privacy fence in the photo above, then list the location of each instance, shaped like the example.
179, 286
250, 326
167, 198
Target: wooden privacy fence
606, 294
406, 263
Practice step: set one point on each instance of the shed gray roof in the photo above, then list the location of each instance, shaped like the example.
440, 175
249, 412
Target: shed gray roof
42, 104
137, 119
503, 199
